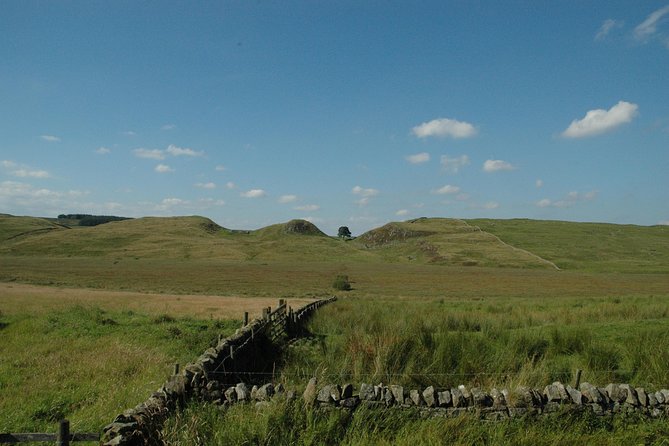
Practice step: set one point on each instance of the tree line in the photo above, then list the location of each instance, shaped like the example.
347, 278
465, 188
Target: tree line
91, 220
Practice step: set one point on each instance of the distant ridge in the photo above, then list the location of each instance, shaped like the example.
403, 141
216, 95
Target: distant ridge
516, 243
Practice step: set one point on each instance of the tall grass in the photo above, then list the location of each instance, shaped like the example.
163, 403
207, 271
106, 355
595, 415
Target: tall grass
490, 342
289, 423
88, 364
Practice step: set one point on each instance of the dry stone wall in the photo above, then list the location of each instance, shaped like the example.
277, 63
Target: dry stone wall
217, 375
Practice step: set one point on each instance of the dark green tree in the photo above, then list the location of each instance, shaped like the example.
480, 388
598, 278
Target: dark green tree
344, 232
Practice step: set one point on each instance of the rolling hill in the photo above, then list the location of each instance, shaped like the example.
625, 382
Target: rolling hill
432, 241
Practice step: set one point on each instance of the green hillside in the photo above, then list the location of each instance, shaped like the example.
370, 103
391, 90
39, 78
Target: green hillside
587, 246
14, 228
429, 241
447, 242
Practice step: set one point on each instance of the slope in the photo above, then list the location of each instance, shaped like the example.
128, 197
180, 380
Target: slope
445, 241
601, 247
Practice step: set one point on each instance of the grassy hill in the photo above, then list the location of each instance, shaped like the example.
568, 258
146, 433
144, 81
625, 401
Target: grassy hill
447, 242
587, 246
430, 241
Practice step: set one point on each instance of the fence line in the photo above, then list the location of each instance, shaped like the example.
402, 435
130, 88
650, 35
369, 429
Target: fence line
247, 349
62, 438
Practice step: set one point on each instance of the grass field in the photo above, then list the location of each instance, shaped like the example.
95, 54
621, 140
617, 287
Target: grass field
434, 301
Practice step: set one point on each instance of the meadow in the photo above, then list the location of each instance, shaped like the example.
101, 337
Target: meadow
433, 301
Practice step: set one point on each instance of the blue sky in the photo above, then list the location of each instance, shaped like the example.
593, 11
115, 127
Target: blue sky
340, 112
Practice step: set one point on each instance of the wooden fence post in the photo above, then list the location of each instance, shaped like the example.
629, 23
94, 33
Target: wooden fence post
176, 369
246, 318
578, 378
64, 433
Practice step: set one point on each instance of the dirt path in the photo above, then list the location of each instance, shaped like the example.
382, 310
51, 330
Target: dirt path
15, 298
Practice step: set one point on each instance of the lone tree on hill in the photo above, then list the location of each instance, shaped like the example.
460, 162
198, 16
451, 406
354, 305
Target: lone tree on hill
344, 232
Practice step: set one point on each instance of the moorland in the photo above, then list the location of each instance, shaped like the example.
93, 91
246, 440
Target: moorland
433, 301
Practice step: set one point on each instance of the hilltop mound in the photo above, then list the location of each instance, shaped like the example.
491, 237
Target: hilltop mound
391, 232
293, 227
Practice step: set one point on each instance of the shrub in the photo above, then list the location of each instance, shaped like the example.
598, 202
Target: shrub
341, 283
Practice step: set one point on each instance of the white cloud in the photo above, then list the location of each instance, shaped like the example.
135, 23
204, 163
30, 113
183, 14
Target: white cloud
600, 121
168, 127
453, 165
497, 165
463, 197
50, 138
129, 133
648, 27
447, 189
254, 193
25, 173
607, 27
539, 183
491, 205
663, 223
208, 185
283, 199
230, 185
102, 151
402, 212
544, 203
179, 151
365, 193
220, 168
571, 199
443, 128
154, 154
307, 207
418, 158
163, 168
36, 201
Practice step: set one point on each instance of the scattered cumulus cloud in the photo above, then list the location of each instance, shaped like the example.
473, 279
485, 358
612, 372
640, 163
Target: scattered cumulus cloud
453, 165
103, 151
447, 189
570, 200
168, 127
496, 166
163, 168
402, 212
608, 26
364, 194
283, 199
649, 27
129, 133
463, 197
25, 173
50, 138
179, 151
600, 121
357, 190
491, 205
230, 185
443, 128
220, 168
208, 185
21, 171
418, 158
254, 193
307, 208
539, 183
36, 200
154, 154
